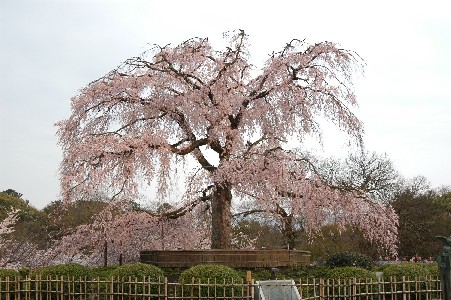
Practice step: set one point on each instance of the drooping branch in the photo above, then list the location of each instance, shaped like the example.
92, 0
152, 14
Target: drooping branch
137, 123
183, 210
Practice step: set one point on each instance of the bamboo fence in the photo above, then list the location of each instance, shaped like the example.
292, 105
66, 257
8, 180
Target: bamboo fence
59, 288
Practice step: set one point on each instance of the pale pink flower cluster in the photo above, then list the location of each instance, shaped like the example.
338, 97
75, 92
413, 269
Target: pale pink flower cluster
7, 224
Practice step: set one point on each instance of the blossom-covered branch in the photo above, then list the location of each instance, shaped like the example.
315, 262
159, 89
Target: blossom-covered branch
175, 106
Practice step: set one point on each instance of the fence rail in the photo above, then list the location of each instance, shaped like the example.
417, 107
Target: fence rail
60, 288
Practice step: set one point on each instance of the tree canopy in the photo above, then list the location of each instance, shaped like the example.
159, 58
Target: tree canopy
422, 217
160, 111
13, 193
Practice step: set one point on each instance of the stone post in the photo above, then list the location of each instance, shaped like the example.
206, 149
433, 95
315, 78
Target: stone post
444, 265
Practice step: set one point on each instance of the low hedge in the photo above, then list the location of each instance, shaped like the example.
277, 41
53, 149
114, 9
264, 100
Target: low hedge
349, 272
5, 276
8, 273
139, 272
349, 259
103, 272
67, 270
222, 277
411, 270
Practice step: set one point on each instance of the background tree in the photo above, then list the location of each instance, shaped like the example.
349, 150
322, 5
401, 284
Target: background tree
21, 245
192, 104
63, 218
371, 173
444, 200
333, 239
422, 216
13, 193
30, 224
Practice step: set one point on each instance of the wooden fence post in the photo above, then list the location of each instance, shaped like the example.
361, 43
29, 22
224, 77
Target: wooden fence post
165, 288
354, 288
404, 296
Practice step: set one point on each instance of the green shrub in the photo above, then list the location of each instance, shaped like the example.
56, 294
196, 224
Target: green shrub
316, 272
349, 272
172, 272
349, 259
103, 272
68, 270
263, 274
24, 272
222, 277
138, 270
4, 273
343, 277
411, 270
432, 268
129, 274
7, 275
294, 272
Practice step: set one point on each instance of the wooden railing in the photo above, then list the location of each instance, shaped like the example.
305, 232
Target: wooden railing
132, 288
236, 258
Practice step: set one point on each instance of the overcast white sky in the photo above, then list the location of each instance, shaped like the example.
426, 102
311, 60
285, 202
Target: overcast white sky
50, 49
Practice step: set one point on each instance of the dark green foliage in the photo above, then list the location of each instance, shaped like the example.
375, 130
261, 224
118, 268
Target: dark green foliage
346, 275
65, 272
222, 276
260, 274
421, 218
349, 272
5, 276
4, 273
411, 270
30, 225
64, 217
9, 203
139, 272
68, 270
317, 272
444, 202
349, 259
24, 271
338, 279
432, 268
294, 273
103, 272
263, 274
13, 193
334, 239
212, 272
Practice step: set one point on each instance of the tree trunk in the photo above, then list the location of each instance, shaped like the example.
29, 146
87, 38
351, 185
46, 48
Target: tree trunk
288, 232
221, 216
105, 253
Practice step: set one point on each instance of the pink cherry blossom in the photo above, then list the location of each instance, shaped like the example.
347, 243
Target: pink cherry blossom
160, 112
